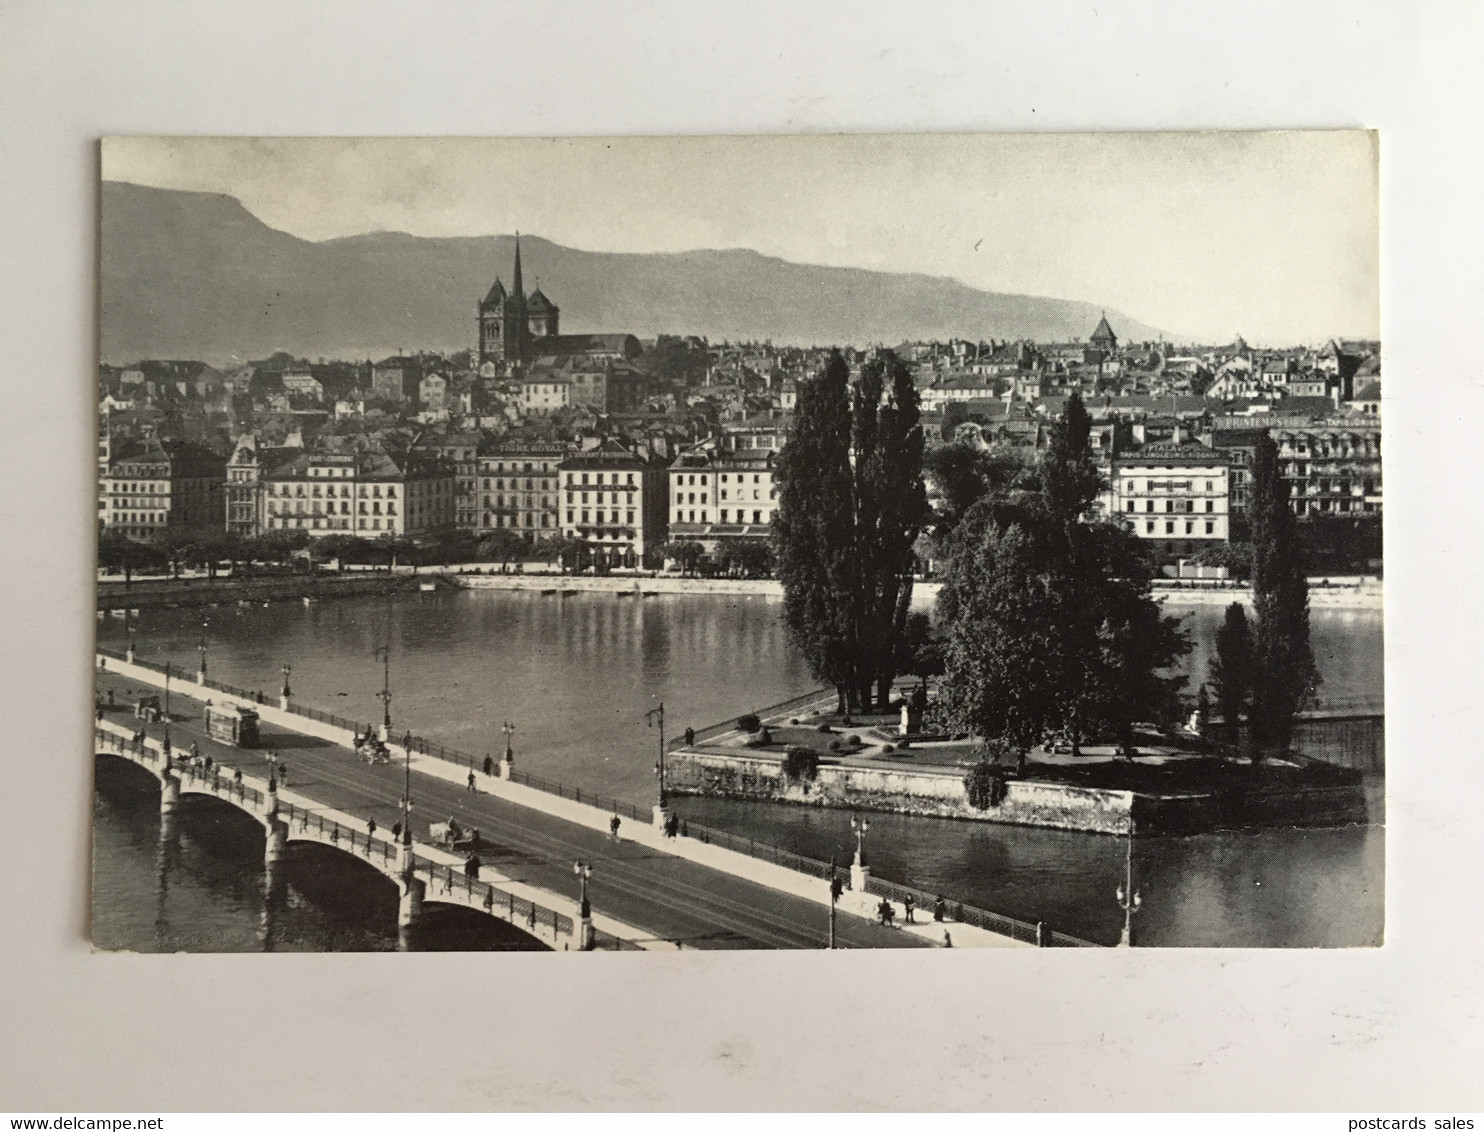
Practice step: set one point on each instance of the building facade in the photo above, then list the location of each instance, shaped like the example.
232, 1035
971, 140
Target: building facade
1332, 467
375, 493
154, 487
1173, 496
614, 500
518, 487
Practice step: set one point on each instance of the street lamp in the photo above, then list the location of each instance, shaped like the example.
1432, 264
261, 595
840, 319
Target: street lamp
657, 715
585, 911
509, 730
859, 872
201, 647
860, 825
1128, 897
385, 695
283, 692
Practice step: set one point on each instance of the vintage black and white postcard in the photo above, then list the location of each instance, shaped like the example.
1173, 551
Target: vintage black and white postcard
958, 541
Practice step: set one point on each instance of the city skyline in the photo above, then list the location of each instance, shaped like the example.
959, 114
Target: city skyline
1272, 236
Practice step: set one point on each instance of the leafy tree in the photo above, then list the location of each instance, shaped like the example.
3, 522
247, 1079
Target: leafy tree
746, 558
922, 652
1051, 622
502, 545
963, 475
1231, 668
801, 764
1284, 674
687, 552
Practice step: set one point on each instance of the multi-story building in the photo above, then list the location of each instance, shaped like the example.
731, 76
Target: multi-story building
614, 500
155, 486
518, 486
372, 493
1332, 467
1174, 496
461, 450
244, 487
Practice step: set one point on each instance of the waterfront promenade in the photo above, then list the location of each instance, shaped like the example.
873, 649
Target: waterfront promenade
647, 890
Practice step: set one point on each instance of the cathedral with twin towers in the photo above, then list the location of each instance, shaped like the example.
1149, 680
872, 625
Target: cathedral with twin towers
518, 331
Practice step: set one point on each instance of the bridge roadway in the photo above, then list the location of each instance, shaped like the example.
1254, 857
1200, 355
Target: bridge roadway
678, 900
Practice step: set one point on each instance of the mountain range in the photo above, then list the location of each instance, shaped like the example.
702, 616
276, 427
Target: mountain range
196, 275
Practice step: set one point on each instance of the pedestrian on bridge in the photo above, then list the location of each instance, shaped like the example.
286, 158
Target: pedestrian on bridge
396, 831
489, 764
195, 750
283, 774
613, 825
886, 912
908, 904
940, 908
370, 827
237, 776
472, 789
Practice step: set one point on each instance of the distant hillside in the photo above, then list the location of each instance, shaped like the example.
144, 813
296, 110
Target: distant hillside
195, 275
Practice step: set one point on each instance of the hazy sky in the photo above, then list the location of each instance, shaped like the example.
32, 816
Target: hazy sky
1270, 235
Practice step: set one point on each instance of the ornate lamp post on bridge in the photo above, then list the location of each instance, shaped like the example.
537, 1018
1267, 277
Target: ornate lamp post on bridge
860, 872
662, 810
507, 764
1128, 897
585, 911
385, 695
201, 648
283, 692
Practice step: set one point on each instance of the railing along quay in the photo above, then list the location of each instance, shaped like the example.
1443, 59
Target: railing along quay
1022, 930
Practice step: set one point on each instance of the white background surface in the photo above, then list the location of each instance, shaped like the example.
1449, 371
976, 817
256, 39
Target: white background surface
1392, 1029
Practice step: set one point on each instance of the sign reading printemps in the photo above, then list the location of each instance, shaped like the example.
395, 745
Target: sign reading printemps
840, 519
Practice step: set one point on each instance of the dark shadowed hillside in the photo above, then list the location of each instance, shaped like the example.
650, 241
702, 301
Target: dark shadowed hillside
195, 275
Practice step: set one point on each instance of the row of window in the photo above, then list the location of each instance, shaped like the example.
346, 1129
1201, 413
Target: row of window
628, 478
117, 488
759, 517
515, 485
1150, 528
1188, 506
600, 520
316, 523
499, 500
1131, 487
528, 466
329, 508
680, 480
612, 497
530, 520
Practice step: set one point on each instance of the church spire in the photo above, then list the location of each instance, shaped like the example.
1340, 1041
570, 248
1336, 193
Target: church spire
517, 286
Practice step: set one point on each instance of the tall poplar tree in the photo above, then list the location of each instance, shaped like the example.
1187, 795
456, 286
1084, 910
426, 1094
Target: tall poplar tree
850, 506
1231, 667
813, 529
1284, 675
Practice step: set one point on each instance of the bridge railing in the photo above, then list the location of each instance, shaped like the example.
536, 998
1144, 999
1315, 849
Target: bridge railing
759, 850
957, 912
446, 880
576, 794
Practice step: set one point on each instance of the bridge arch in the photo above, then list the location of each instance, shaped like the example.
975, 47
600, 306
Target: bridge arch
432, 882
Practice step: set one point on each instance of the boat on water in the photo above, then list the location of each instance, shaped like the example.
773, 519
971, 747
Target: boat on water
651, 593
310, 600
547, 593
427, 587
569, 593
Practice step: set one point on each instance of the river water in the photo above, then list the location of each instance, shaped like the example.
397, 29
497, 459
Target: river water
575, 675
